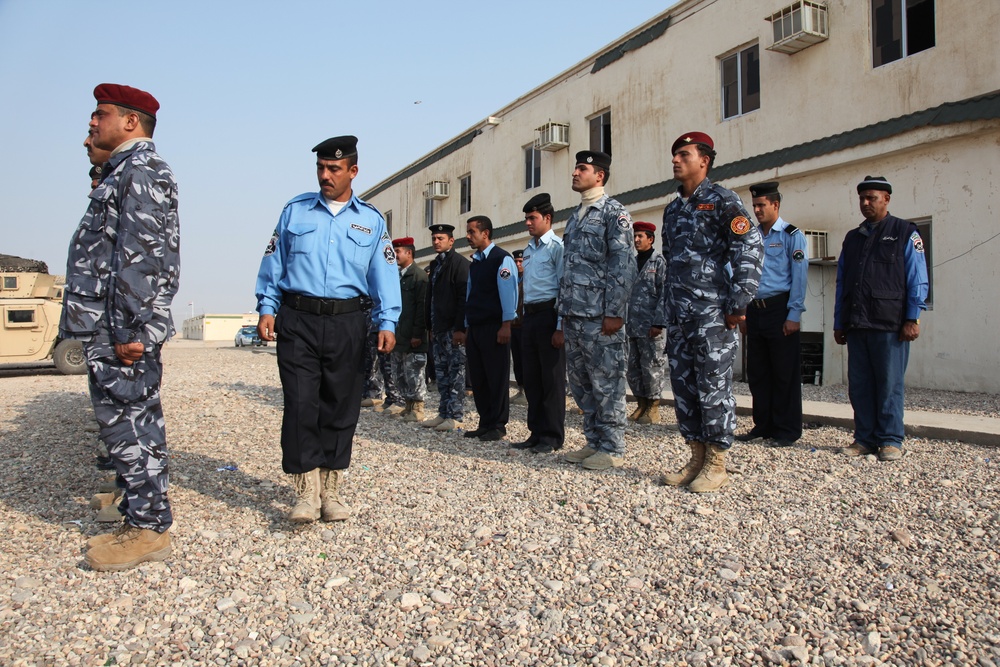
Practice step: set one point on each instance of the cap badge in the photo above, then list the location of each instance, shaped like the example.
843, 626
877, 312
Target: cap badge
687, 138
338, 154
589, 160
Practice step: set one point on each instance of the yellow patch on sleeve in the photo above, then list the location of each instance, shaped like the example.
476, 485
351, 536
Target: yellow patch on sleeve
740, 225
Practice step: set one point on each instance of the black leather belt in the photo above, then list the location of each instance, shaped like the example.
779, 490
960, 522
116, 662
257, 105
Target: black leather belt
770, 302
310, 304
532, 308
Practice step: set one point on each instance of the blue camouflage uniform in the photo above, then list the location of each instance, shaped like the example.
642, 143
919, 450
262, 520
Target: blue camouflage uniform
121, 277
646, 359
598, 271
325, 277
445, 314
714, 257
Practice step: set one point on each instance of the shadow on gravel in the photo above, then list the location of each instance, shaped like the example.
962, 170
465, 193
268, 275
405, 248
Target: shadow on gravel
47, 467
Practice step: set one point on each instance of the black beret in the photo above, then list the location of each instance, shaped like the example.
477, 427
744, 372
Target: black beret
875, 183
442, 229
596, 158
517, 254
764, 189
337, 148
538, 201
95, 173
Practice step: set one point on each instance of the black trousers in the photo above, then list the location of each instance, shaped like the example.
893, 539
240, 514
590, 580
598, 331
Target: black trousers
544, 371
774, 371
488, 365
515, 355
320, 366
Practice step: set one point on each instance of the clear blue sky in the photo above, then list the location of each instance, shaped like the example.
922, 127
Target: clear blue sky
246, 89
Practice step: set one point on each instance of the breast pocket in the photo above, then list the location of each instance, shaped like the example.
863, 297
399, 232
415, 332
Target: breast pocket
593, 244
885, 251
361, 245
302, 237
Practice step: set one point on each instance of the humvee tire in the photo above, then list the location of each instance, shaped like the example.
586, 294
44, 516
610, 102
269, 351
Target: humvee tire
69, 357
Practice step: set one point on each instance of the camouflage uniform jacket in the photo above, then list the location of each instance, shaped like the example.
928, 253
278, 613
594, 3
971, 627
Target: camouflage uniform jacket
714, 255
645, 305
124, 260
598, 262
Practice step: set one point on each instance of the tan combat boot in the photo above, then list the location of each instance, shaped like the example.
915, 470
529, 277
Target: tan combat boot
686, 475
307, 497
333, 508
397, 410
579, 455
416, 413
713, 475
129, 548
101, 500
432, 422
652, 413
640, 409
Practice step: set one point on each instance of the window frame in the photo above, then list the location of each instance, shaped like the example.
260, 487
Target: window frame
465, 194
428, 212
744, 70
599, 128
532, 167
925, 227
388, 221
900, 14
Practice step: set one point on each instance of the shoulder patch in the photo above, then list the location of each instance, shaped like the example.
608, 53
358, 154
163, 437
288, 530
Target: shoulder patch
706, 207
918, 243
798, 255
791, 229
624, 222
389, 254
272, 245
740, 225
385, 236
505, 273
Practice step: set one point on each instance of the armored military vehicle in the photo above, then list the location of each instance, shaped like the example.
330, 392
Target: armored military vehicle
30, 305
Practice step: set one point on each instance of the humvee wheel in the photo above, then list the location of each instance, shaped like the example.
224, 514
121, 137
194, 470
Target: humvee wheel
69, 357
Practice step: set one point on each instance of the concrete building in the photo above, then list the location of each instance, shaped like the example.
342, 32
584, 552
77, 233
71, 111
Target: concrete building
216, 326
814, 95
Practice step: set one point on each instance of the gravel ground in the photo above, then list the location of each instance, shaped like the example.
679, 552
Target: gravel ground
468, 553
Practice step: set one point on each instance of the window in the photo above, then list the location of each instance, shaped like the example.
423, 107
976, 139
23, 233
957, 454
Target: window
600, 133
388, 222
901, 28
465, 196
741, 82
10, 282
532, 167
20, 316
428, 212
924, 227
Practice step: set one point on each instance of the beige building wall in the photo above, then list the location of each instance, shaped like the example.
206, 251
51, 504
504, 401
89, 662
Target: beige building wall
216, 326
827, 118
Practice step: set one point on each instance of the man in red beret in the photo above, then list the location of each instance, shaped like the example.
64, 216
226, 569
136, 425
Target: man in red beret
121, 276
646, 361
714, 256
410, 354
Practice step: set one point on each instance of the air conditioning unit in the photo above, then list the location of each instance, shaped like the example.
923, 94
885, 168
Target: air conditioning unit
437, 190
816, 241
798, 26
552, 137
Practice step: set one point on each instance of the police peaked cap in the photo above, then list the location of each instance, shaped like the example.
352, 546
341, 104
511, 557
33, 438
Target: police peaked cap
517, 254
692, 138
764, 189
597, 159
644, 227
538, 201
875, 183
95, 173
337, 148
442, 229
126, 96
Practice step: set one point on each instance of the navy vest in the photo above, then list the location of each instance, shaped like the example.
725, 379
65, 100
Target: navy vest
483, 305
874, 287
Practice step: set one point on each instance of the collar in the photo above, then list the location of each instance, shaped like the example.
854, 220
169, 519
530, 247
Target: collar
319, 200
544, 239
485, 253
779, 225
704, 185
128, 145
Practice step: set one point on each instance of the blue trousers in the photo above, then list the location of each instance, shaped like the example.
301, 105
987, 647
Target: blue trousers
876, 363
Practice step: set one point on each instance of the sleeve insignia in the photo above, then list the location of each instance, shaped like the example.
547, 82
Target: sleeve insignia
385, 236
389, 254
798, 255
272, 245
505, 273
624, 222
918, 243
358, 227
740, 225
706, 207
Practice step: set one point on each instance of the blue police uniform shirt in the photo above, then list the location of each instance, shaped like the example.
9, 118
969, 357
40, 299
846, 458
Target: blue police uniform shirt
543, 264
506, 286
316, 253
916, 277
785, 268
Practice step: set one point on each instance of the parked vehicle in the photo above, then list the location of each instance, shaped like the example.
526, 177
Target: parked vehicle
248, 336
30, 306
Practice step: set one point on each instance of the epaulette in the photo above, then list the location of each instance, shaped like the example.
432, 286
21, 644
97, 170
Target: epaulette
364, 203
302, 197
791, 229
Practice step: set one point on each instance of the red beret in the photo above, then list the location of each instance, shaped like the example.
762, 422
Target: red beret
126, 96
643, 227
405, 242
692, 138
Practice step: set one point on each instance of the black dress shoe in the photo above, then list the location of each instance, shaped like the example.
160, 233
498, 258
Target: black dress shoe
527, 444
750, 436
475, 434
545, 448
492, 435
779, 442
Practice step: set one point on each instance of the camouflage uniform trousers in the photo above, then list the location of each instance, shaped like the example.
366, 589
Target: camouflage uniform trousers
647, 366
127, 407
701, 354
408, 373
595, 365
449, 368
379, 376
